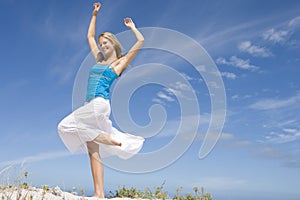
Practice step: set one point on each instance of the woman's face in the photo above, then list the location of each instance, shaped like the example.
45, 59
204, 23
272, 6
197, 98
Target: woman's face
106, 46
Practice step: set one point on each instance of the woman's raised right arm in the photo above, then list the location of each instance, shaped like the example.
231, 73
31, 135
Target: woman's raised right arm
92, 33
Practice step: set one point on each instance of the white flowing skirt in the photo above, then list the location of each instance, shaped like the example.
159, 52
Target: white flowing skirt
88, 122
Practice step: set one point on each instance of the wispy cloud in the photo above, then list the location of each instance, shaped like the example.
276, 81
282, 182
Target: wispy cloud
286, 135
35, 158
14, 85
282, 123
295, 22
64, 69
254, 50
279, 118
233, 33
61, 31
238, 63
269, 104
267, 150
288, 159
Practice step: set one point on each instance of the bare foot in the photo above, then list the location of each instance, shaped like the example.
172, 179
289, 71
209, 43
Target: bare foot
105, 138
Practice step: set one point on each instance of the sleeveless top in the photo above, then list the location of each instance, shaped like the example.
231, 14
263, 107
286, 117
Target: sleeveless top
100, 79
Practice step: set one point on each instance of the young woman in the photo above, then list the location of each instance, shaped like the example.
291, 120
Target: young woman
89, 128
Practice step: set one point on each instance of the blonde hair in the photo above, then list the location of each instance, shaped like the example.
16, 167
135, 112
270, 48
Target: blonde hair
112, 38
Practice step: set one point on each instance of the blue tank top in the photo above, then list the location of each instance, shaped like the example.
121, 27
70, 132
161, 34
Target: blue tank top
100, 79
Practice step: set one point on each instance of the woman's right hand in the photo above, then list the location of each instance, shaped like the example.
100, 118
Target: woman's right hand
97, 7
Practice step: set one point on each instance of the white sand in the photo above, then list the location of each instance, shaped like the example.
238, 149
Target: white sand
39, 194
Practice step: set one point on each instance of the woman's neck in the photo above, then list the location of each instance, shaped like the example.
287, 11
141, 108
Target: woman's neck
110, 58
108, 61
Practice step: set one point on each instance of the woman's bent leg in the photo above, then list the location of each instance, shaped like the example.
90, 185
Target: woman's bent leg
97, 169
105, 138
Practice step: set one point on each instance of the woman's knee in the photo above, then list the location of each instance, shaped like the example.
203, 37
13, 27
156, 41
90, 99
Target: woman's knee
93, 147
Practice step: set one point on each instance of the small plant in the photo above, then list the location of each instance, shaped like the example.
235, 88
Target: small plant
45, 188
15, 188
129, 193
203, 196
81, 192
123, 192
25, 186
178, 195
26, 174
159, 193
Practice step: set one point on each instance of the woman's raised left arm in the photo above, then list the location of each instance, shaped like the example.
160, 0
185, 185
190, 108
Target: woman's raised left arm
126, 59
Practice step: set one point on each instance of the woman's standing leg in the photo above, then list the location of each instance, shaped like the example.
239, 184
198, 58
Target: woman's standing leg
97, 169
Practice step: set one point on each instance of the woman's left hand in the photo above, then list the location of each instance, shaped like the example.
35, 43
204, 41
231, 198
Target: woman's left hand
129, 23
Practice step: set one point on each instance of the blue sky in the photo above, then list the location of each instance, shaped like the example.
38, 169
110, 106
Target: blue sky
254, 45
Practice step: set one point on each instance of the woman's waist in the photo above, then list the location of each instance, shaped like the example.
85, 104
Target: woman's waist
98, 99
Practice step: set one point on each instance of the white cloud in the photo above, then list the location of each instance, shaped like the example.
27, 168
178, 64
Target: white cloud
276, 36
187, 77
254, 50
268, 104
243, 64
201, 68
237, 62
282, 33
228, 75
213, 84
159, 101
165, 96
290, 130
182, 86
240, 97
179, 89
